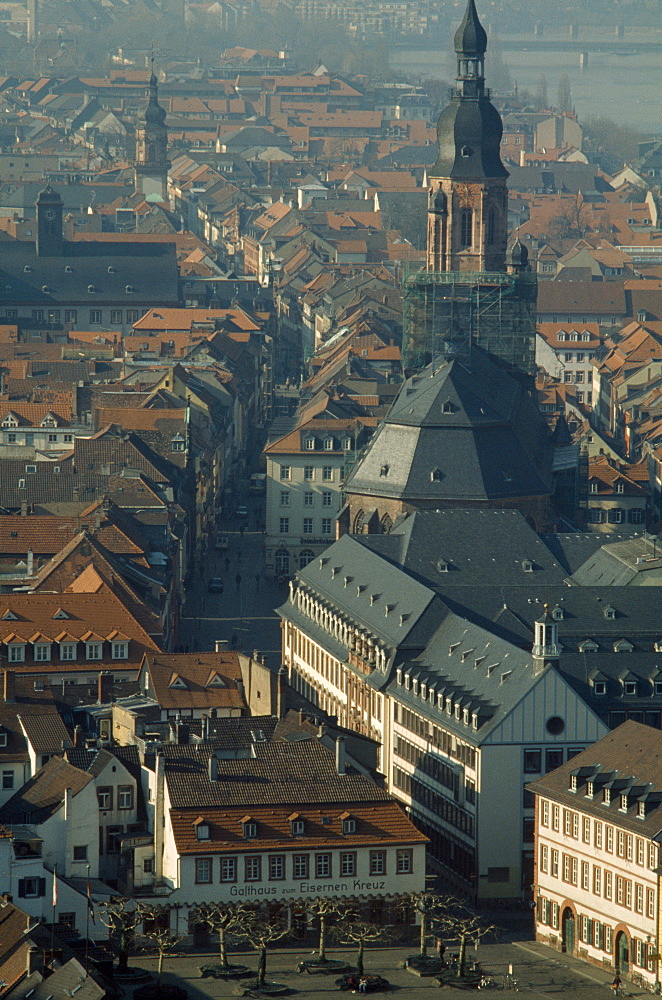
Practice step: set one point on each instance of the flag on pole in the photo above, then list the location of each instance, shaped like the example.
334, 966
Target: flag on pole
90, 904
54, 888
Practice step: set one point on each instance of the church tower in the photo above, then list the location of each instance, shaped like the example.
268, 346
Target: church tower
468, 201
151, 163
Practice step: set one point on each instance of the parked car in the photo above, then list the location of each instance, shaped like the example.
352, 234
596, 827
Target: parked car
215, 585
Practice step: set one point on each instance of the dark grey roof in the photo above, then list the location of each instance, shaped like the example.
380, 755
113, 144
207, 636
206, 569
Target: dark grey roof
68, 980
74, 196
465, 430
148, 270
620, 563
399, 610
469, 134
487, 675
459, 548
280, 772
572, 549
44, 486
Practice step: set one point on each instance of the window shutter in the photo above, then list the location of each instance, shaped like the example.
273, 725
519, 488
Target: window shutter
42, 887
21, 888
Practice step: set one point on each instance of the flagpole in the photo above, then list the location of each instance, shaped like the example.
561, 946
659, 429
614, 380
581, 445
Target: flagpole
54, 901
87, 920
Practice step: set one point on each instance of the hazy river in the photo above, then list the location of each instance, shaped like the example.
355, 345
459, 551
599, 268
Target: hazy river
627, 88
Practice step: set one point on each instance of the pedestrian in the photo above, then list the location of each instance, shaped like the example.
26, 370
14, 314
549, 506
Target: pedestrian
257, 581
237, 580
441, 949
227, 564
363, 984
616, 984
238, 555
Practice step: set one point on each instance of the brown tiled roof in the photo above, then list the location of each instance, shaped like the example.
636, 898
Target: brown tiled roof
46, 732
43, 794
197, 671
278, 773
381, 823
14, 945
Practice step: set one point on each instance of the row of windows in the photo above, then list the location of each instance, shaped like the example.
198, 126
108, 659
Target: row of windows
447, 742
605, 837
553, 758
71, 315
604, 882
308, 526
615, 515
105, 797
576, 377
328, 473
328, 443
437, 804
11, 437
275, 866
308, 498
431, 766
41, 651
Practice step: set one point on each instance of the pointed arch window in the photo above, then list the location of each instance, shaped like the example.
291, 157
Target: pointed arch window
466, 227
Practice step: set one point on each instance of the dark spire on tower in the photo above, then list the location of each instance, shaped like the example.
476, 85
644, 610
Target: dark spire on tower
471, 37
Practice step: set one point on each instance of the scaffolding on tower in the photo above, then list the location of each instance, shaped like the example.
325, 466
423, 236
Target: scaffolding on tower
445, 312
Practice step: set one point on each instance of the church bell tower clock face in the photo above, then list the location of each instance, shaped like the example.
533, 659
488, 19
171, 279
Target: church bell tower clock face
50, 215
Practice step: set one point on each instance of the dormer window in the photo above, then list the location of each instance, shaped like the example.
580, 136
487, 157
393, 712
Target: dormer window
610, 614
435, 476
624, 803
16, 652
593, 487
297, 825
309, 444
641, 810
41, 651
620, 487
557, 614
573, 782
349, 825
527, 565
202, 831
328, 444
93, 650
606, 796
600, 687
347, 444
249, 827
447, 406
3, 737
120, 650
630, 688
383, 472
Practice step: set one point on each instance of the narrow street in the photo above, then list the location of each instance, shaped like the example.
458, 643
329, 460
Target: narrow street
245, 610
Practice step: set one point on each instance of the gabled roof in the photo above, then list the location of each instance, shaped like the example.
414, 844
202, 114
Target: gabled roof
42, 795
195, 680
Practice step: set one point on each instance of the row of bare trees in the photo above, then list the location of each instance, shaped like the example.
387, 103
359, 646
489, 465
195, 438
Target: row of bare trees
261, 925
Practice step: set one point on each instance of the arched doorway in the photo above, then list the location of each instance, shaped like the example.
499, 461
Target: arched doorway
568, 930
305, 556
622, 952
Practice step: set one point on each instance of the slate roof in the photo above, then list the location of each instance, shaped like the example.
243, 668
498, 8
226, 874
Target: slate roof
148, 269
468, 422
43, 794
361, 584
279, 773
62, 982
619, 563
458, 548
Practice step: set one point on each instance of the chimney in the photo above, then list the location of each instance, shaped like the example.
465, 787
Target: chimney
241, 689
75, 493
213, 767
340, 755
9, 686
281, 692
182, 733
34, 961
78, 736
204, 727
104, 687
302, 716
30, 561
24, 508
213, 713
67, 804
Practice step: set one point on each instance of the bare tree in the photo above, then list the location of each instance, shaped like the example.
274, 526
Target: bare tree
156, 928
356, 929
121, 916
323, 907
431, 907
223, 918
459, 921
263, 925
